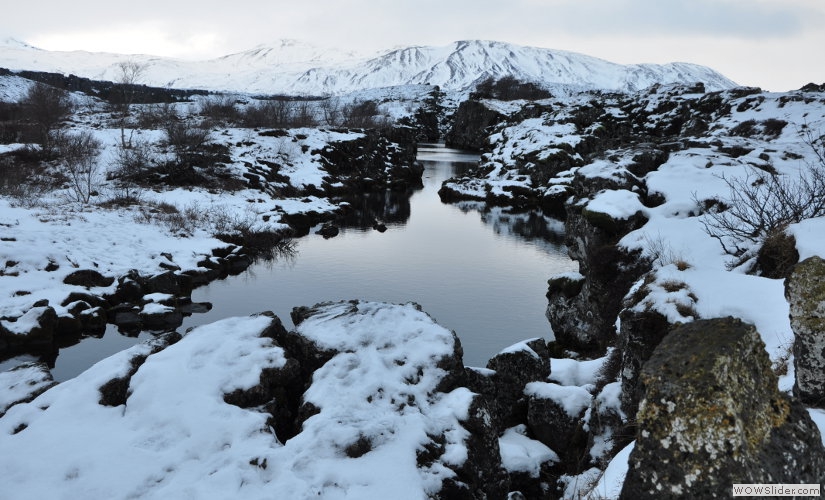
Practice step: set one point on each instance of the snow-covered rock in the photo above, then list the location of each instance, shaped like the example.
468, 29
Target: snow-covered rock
377, 400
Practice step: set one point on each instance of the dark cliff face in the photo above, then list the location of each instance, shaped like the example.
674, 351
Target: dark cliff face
471, 123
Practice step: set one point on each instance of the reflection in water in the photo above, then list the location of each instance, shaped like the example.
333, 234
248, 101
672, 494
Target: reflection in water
531, 225
388, 207
479, 271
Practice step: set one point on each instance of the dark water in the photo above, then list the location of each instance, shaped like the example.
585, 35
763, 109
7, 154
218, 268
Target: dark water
482, 273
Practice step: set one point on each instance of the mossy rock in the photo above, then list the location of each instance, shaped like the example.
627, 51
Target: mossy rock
712, 415
566, 285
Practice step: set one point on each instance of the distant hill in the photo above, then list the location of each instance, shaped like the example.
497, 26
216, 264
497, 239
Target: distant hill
293, 67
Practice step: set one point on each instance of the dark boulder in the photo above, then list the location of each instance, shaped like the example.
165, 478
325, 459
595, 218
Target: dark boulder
805, 291
554, 417
583, 316
160, 318
165, 282
88, 278
503, 386
328, 230
712, 415
33, 330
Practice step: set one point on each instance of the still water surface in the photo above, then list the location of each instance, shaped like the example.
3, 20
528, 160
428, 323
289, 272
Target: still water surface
482, 273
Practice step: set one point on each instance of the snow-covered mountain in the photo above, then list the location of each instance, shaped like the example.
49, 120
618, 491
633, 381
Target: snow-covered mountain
293, 67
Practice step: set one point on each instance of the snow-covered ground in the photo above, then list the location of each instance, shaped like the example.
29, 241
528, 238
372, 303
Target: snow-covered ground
48, 234
175, 436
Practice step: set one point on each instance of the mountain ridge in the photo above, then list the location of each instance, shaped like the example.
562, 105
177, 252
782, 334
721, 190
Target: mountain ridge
295, 67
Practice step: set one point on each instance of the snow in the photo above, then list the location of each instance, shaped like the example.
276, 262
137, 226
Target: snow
157, 297
25, 323
566, 371
756, 300
22, 383
519, 453
109, 241
611, 481
176, 437
172, 430
619, 204
810, 237
573, 399
521, 347
52, 231
153, 308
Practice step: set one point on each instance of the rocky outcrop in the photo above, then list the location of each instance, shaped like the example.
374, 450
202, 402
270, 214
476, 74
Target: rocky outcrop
805, 291
502, 384
470, 127
368, 163
317, 354
610, 165
583, 316
712, 415
127, 302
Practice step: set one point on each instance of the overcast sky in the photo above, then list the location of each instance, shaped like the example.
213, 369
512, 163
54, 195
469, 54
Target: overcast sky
774, 44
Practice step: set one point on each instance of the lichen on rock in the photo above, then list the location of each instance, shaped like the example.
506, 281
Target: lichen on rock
712, 415
805, 291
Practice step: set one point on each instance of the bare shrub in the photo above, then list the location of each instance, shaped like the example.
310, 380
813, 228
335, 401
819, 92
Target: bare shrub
153, 116
364, 114
303, 115
186, 137
129, 75
762, 203
222, 110
14, 128
129, 167
46, 107
79, 153
662, 253
275, 113
330, 110
23, 177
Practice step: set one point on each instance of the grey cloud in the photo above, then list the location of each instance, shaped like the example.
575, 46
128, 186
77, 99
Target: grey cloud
729, 18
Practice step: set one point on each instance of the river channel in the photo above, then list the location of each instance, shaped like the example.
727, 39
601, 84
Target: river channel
480, 272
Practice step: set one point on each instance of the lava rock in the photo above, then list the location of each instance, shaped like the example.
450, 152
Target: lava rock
513, 368
805, 291
88, 278
328, 230
712, 415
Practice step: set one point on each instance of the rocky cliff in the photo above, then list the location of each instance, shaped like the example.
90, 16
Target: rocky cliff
640, 181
